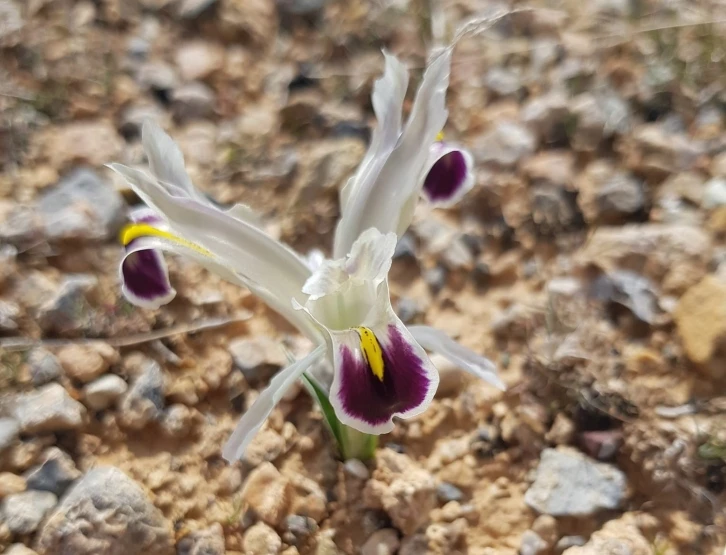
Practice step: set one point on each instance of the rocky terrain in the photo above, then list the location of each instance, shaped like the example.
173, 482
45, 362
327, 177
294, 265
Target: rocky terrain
589, 263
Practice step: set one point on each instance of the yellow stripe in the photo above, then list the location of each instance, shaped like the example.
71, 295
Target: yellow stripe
372, 351
135, 231
440, 136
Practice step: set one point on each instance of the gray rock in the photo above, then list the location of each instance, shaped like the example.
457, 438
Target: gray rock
104, 391
408, 309
49, 409
620, 196
715, 193
54, 474
357, 469
12, 19
382, 542
189, 9
158, 76
144, 402
134, 117
435, 278
598, 116
8, 265
503, 82
568, 483
627, 289
82, 206
23, 512
257, 357
209, 541
406, 247
300, 7
68, 310
106, 512
300, 526
19, 549
566, 542
9, 430
193, 100
9, 313
532, 544
546, 114
448, 492
44, 366
505, 145
20, 225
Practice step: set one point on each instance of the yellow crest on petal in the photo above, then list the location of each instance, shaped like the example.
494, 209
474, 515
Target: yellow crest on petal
372, 351
440, 136
137, 230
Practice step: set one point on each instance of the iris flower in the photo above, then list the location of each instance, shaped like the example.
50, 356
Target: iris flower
380, 368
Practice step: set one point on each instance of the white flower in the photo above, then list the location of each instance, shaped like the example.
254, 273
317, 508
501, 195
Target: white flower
380, 367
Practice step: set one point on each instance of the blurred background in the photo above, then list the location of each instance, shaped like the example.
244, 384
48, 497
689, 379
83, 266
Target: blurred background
588, 263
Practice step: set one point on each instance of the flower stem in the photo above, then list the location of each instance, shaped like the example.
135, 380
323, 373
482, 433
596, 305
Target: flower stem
357, 445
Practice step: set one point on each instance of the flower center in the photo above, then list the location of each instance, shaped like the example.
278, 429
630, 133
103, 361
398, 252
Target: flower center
372, 351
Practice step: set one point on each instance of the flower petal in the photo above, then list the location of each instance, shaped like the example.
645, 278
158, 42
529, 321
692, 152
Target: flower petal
145, 278
381, 192
476, 365
450, 174
380, 372
255, 417
255, 256
166, 160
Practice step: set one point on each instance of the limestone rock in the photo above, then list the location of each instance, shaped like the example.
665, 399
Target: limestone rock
403, 489
260, 539
86, 362
54, 474
568, 483
209, 541
23, 512
381, 542
268, 493
49, 409
620, 536
104, 392
106, 512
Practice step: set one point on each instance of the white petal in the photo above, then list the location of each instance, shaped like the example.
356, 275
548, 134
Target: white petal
438, 342
255, 417
391, 179
463, 186
166, 161
369, 260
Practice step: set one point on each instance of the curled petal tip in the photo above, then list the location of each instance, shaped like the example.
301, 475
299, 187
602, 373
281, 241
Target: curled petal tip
145, 279
450, 174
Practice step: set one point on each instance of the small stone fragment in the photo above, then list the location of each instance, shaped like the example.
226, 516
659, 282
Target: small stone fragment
48, 409
82, 362
54, 474
381, 542
44, 366
532, 544
448, 492
568, 483
198, 59
621, 536
11, 483
260, 539
193, 100
505, 145
19, 549
9, 430
209, 541
106, 512
104, 391
68, 310
144, 401
268, 493
356, 468
93, 142
257, 357
701, 321
178, 420
23, 512
402, 488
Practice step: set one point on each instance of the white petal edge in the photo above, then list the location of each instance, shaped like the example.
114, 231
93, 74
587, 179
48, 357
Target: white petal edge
132, 297
254, 418
438, 342
166, 161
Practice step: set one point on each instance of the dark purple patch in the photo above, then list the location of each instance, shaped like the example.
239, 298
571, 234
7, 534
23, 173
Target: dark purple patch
144, 275
404, 386
446, 176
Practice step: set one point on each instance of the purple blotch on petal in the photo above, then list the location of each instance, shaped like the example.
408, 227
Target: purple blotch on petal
446, 176
404, 386
145, 276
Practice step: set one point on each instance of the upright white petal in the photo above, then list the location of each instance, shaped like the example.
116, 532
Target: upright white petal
438, 342
255, 417
384, 187
166, 161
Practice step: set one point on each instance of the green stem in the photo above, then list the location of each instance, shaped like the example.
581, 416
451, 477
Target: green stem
357, 445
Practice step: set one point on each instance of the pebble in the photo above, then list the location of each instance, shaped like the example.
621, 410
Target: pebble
104, 391
48, 409
620, 535
19, 549
106, 512
532, 544
20, 225
607, 195
628, 289
86, 362
54, 474
209, 541
505, 145
133, 118
178, 420
68, 311
93, 142
403, 489
11, 483
503, 82
567, 483
714, 194
566, 542
44, 366
158, 76
9, 313
23, 512
189, 9
356, 468
82, 206
144, 401
300, 526
260, 539
300, 7
382, 542
257, 357
545, 114
448, 492
700, 318
198, 59
192, 100
268, 493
